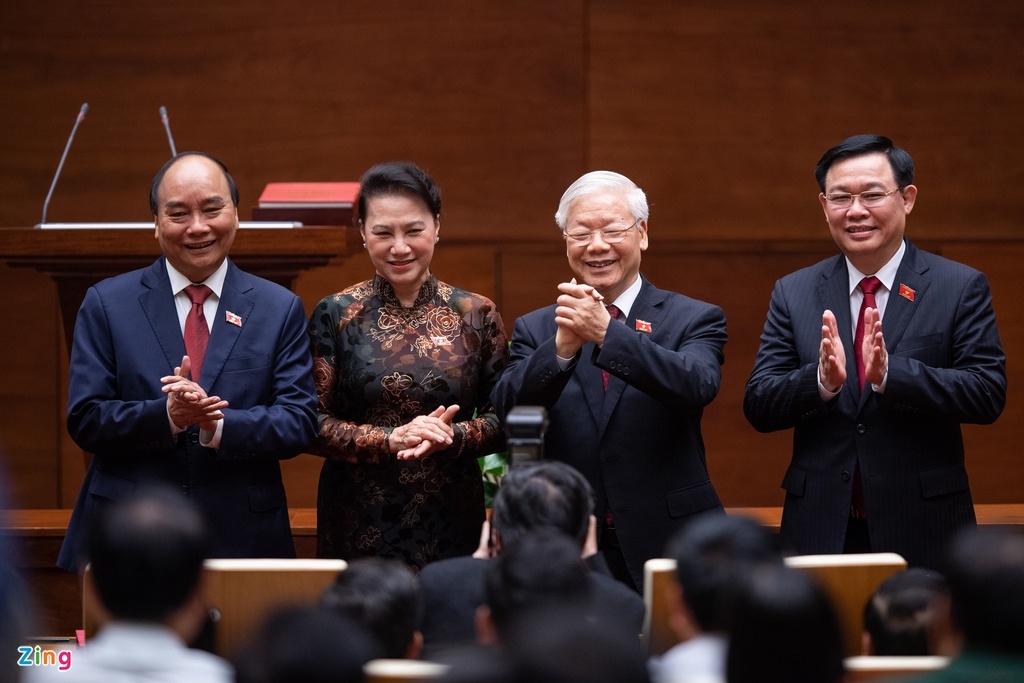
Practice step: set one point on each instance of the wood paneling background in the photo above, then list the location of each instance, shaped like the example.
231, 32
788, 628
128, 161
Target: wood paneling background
718, 110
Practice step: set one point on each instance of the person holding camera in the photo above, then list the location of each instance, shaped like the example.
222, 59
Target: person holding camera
624, 370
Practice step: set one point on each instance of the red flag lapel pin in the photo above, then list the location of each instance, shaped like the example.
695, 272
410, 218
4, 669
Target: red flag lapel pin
643, 326
906, 292
233, 318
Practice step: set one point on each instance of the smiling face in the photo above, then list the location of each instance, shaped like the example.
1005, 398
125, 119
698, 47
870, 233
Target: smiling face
869, 237
196, 220
609, 268
399, 232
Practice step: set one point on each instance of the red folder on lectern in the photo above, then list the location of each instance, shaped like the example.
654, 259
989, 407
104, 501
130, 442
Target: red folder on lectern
325, 203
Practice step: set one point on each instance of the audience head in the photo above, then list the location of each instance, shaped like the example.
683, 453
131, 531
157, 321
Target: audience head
785, 630
146, 554
307, 644
712, 553
985, 572
541, 569
557, 647
384, 596
546, 494
899, 615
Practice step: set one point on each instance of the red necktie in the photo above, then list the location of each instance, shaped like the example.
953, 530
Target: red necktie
613, 311
197, 332
868, 285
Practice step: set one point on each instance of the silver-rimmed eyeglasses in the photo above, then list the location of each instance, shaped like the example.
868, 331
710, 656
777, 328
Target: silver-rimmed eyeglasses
609, 235
869, 199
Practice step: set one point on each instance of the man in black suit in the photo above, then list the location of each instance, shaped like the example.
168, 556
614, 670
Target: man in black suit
625, 397
878, 455
544, 495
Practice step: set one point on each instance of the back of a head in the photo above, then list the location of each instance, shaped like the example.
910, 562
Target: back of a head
539, 570
985, 573
546, 494
384, 596
713, 553
306, 645
146, 554
785, 630
557, 647
899, 614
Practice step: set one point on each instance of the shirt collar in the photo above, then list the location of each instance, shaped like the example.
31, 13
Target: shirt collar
886, 274
625, 300
215, 282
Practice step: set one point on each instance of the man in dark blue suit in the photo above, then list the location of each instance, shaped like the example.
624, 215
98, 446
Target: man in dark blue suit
878, 455
137, 404
625, 397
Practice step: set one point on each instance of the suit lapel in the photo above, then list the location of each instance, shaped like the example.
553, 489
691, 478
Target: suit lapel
236, 299
157, 302
834, 295
899, 309
646, 307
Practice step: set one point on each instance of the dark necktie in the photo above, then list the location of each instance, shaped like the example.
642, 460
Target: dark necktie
869, 286
613, 311
197, 332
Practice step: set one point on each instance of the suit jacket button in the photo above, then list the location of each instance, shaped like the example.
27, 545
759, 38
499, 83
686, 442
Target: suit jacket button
861, 429
193, 438
846, 476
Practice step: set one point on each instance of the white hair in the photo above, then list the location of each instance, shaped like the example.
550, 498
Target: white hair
599, 181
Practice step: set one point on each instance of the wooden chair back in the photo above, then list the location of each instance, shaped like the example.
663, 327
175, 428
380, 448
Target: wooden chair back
850, 580
241, 593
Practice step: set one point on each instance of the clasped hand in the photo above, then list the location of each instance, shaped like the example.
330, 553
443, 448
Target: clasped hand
424, 434
187, 402
581, 317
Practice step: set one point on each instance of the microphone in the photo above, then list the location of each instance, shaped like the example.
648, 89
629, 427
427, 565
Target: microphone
167, 127
81, 117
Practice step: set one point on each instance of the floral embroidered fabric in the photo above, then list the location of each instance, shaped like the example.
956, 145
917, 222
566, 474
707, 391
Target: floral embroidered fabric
377, 365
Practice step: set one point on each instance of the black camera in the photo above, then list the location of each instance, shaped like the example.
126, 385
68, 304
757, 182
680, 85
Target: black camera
525, 427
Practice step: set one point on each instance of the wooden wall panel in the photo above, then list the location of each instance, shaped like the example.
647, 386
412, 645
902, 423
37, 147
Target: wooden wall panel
485, 96
721, 110
718, 111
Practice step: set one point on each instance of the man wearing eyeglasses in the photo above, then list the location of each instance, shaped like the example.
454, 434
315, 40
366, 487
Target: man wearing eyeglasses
875, 357
624, 370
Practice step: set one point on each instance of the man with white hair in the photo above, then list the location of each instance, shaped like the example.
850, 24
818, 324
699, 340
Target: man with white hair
624, 370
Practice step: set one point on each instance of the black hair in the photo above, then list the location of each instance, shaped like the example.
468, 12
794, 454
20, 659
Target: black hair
307, 644
544, 494
383, 595
985, 572
859, 145
712, 553
785, 630
146, 553
397, 178
154, 188
541, 569
899, 613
